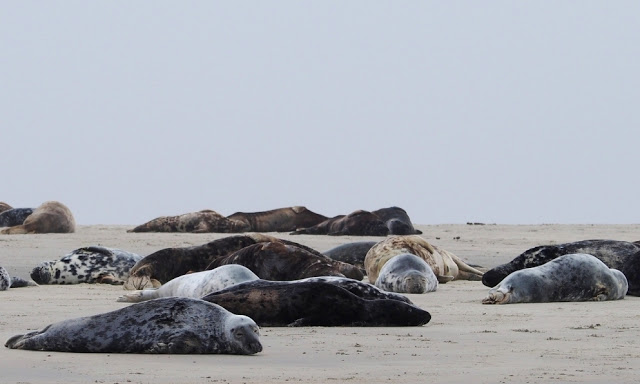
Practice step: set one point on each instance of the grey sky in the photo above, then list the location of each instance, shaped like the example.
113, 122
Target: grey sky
502, 111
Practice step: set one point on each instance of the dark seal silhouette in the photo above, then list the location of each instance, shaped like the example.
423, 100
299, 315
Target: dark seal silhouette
279, 220
358, 223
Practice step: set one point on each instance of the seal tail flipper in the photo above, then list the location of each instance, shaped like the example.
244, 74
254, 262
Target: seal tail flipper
15, 342
18, 282
496, 297
138, 296
464, 267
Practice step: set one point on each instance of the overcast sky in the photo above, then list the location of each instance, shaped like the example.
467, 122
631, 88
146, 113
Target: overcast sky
515, 112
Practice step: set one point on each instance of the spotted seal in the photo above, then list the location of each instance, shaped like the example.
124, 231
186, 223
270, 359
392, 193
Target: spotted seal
444, 264
279, 220
397, 220
621, 255
5, 279
352, 253
49, 217
572, 277
358, 223
93, 264
407, 273
195, 284
282, 303
279, 261
195, 222
166, 325
14, 216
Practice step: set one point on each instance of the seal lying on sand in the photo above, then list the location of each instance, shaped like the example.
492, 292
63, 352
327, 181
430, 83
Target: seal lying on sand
444, 264
279, 261
195, 284
14, 216
168, 325
279, 220
352, 253
91, 264
4, 206
621, 255
49, 217
281, 304
358, 223
573, 277
407, 273
196, 222
397, 220
7, 282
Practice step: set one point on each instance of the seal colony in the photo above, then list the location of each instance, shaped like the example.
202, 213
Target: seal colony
49, 217
167, 325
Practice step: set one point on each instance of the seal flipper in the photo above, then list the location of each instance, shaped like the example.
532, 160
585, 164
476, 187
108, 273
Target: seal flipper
18, 282
139, 296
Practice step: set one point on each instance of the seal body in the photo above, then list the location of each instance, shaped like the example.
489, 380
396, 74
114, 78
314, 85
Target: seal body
358, 223
195, 284
279, 261
573, 277
91, 264
407, 273
352, 253
314, 304
4, 206
14, 216
5, 279
195, 222
621, 255
279, 220
397, 220
444, 264
49, 217
167, 325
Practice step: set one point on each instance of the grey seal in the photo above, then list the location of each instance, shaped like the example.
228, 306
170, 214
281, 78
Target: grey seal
357, 223
279, 220
49, 217
407, 273
397, 220
196, 222
352, 253
14, 216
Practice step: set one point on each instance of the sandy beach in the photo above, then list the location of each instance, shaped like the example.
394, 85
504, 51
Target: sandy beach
464, 342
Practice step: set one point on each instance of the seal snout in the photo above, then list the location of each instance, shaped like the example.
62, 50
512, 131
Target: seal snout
415, 283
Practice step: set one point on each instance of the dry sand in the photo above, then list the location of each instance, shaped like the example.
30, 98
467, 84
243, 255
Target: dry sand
464, 342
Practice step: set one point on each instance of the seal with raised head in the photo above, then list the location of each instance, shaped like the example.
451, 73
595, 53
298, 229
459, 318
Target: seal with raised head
358, 223
397, 220
279, 261
282, 303
49, 217
352, 253
407, 273
91, 264
195, 222
444, 264
14, 216
621, 255
279, 220
167, 325
572, 277
195, 284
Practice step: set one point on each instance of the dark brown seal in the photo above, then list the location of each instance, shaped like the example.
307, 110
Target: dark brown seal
49, 217
358, 223
397, 220
197, 222
279, 220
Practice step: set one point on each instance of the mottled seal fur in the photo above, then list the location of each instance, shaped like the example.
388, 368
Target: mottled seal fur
167, 325
445, 265
5, 279
314, 304
621, 255
407, 273
195, 284
573, 277
49, 217
352, 253
279, 220
91, 264
279, 261
196, 222
397, 220
14, 216
169, 263
358, 223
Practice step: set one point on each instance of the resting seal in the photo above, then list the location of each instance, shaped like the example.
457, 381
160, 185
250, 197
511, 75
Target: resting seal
49, 217
573, 277
279, 220
621, 255
407, 273
195, 284
168, 325
7, 282
352, 253
5, 279
397, 220
279, 304
195, 222
87, 265
358, 223
279, 261
444, 264
4, 206
14, 216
